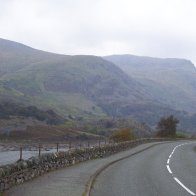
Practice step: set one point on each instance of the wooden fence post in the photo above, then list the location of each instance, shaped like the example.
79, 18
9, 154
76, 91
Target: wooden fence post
20, 153
57, 147
69, 145
39, 150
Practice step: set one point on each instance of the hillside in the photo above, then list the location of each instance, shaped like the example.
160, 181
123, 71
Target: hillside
69, 84
83, 86
8, 110
170, 81
15, 56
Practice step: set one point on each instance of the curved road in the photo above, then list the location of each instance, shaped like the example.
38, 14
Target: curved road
144, 173
164, 170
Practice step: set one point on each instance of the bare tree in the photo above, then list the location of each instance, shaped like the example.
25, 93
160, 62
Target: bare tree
167, 126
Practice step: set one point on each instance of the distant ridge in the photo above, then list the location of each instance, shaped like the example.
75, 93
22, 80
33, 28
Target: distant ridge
171, 81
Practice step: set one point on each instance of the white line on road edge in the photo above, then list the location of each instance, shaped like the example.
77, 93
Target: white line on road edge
176, 179
168, 168
182, 185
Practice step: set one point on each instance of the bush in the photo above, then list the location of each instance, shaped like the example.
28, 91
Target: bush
122, 135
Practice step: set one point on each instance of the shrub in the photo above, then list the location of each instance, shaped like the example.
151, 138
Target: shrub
122, 135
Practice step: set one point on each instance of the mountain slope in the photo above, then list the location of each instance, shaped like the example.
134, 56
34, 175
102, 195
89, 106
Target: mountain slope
69, 84
15, 56
170, 81
85, 86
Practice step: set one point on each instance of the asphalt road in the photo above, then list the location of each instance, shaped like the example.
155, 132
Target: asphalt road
163, 170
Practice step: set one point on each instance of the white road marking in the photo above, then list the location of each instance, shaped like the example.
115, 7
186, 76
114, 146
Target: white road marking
169, 170
168, 161
182, 185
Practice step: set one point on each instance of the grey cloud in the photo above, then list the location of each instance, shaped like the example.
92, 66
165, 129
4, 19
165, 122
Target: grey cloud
164, 28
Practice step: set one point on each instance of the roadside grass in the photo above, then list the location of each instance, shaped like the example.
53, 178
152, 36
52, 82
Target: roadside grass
181, 135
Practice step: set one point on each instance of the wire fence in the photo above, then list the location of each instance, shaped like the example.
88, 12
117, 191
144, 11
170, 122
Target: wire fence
40, 149
28, 150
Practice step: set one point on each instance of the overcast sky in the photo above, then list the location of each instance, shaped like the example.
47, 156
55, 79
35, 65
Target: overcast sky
160, 28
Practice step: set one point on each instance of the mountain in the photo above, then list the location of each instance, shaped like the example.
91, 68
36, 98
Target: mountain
169, 81
15, 56
84, 86
79, 85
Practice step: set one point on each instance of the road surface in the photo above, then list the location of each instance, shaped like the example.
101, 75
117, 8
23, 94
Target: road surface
164, 170
144, 173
